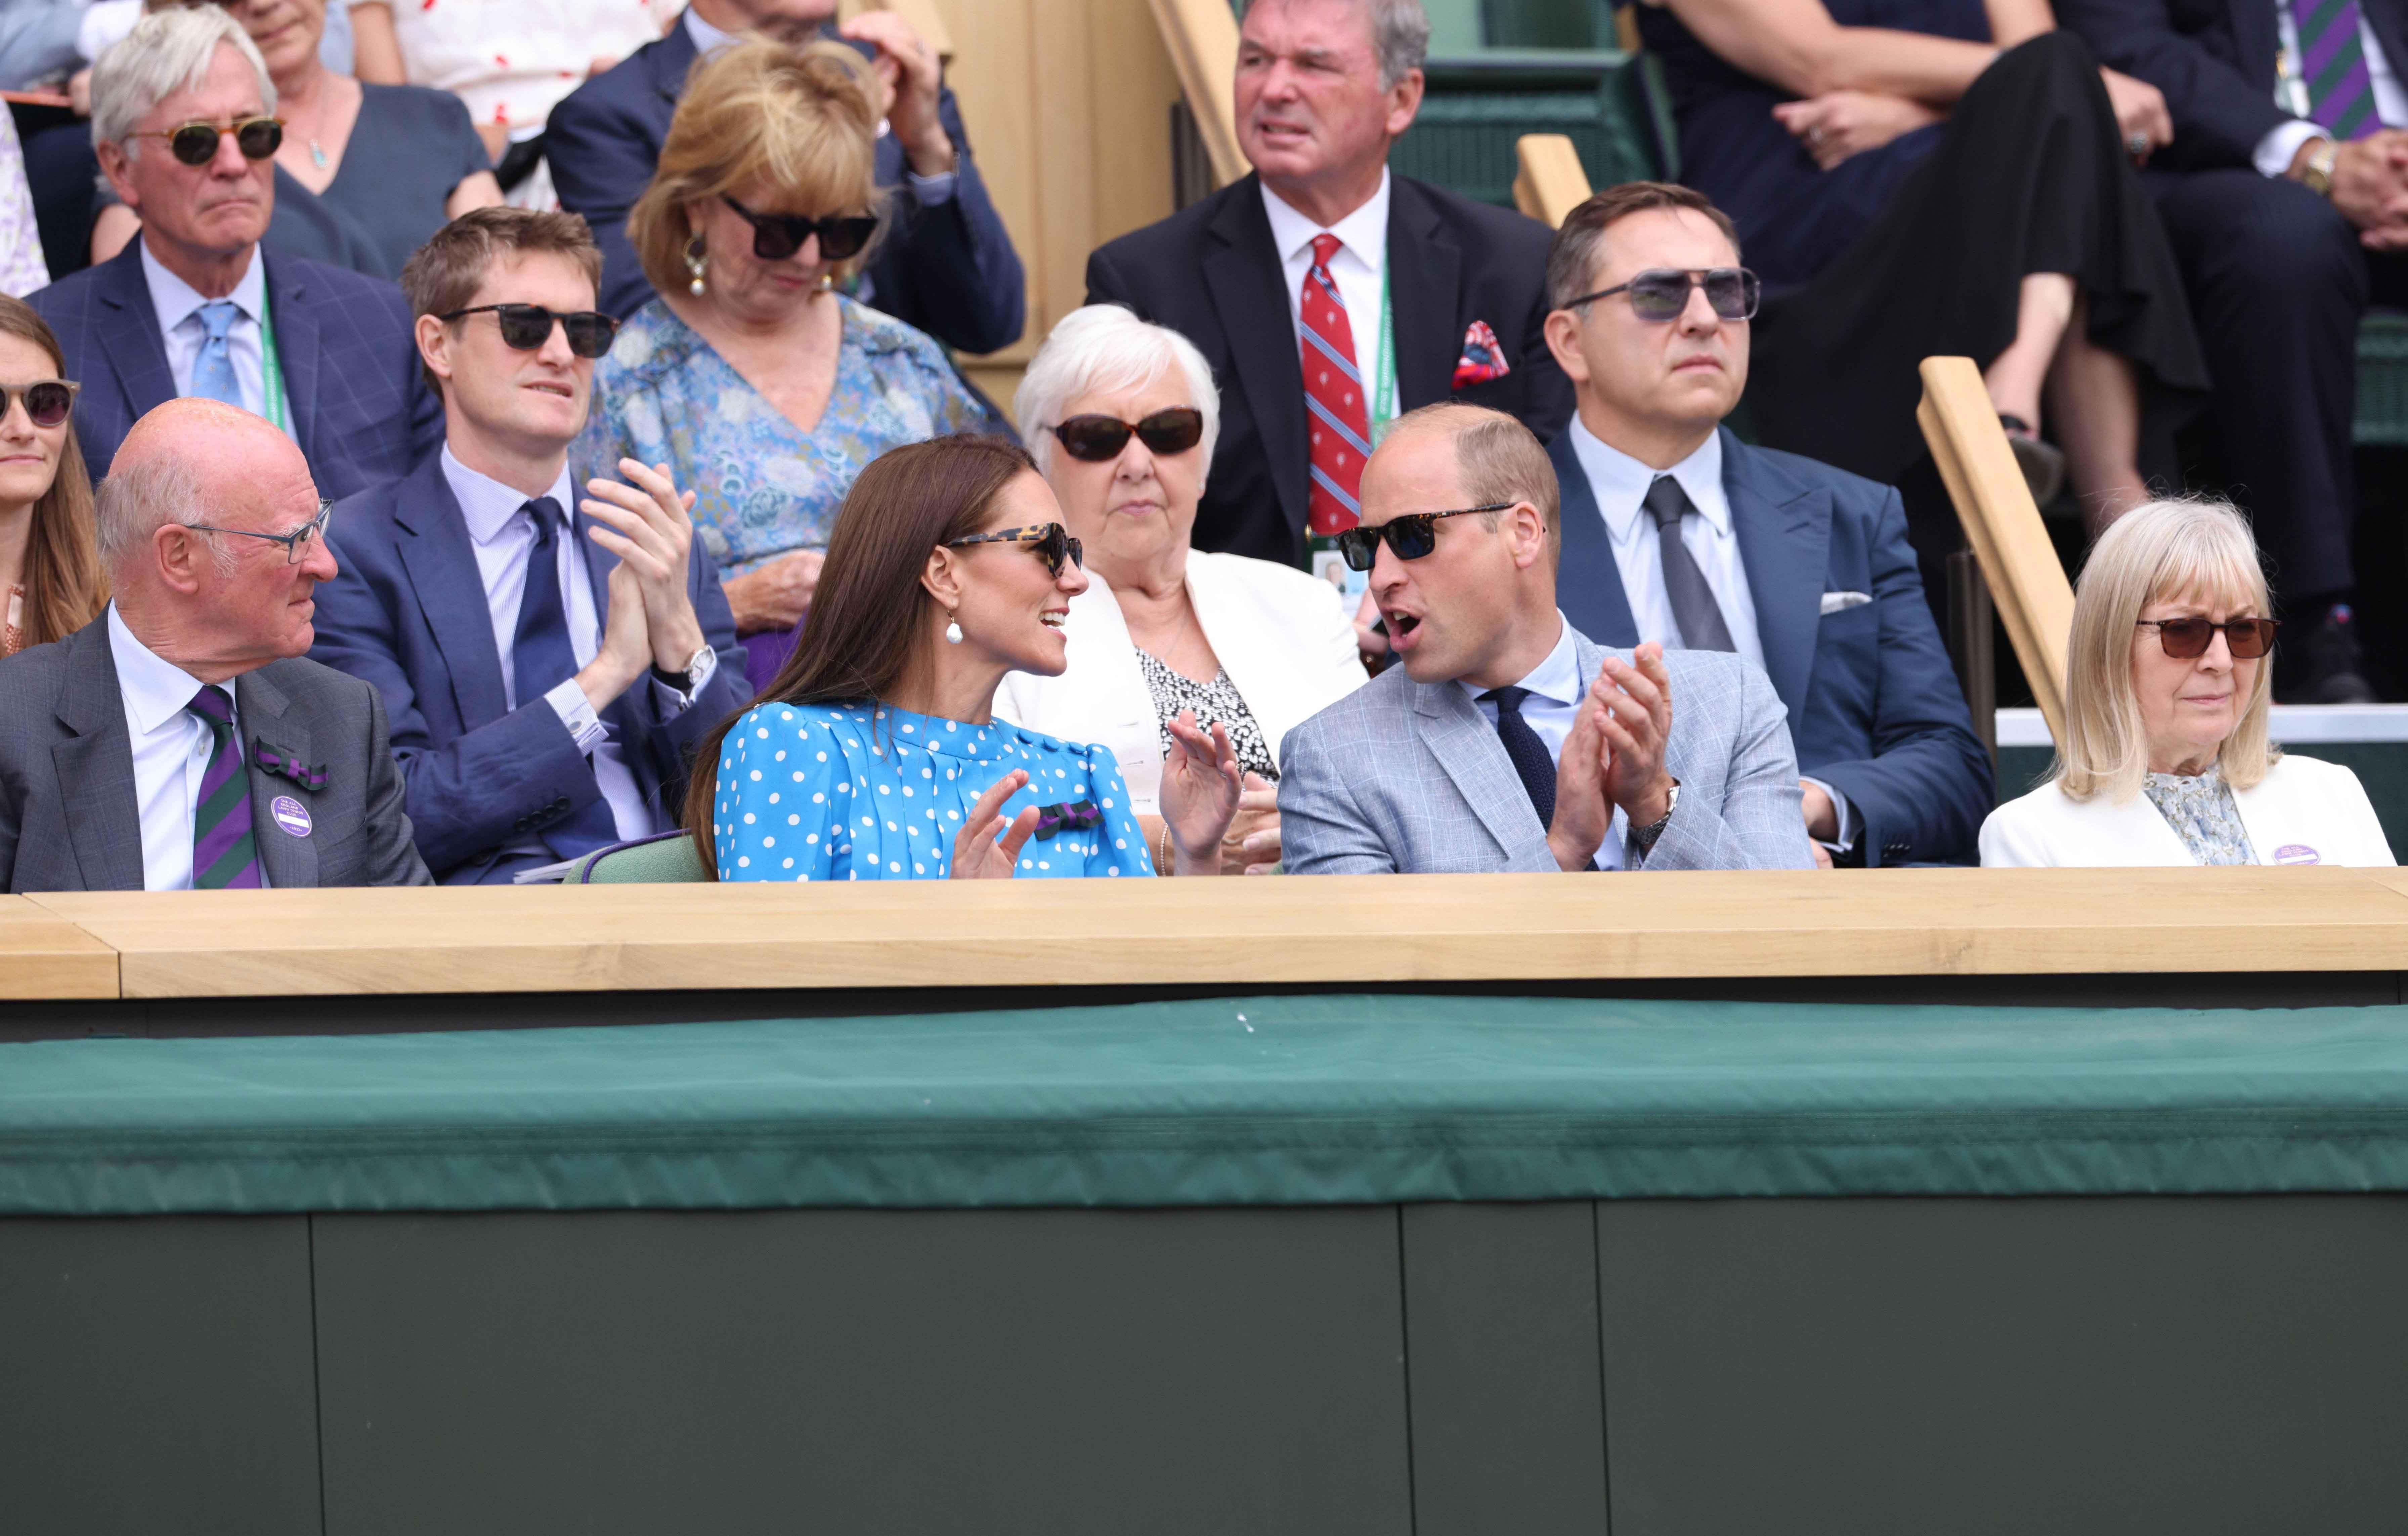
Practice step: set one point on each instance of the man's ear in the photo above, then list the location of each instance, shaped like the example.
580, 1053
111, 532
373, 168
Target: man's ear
179, 553
1527, 531
116, 164
1562, 330
435, 346
1404, 102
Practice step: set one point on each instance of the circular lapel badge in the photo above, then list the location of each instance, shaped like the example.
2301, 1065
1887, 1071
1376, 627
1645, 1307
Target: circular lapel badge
290, 814
2296, 852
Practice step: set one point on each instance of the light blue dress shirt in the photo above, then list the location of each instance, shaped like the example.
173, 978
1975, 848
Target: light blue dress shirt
181, 328
1554, 705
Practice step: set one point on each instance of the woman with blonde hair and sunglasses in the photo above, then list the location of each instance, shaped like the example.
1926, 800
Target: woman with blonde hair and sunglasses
50, 581
2166, 758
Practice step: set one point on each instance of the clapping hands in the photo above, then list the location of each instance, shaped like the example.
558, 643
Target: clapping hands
1613, 756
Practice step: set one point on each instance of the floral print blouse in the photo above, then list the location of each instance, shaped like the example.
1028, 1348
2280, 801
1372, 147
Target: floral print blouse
2200, 810
762, 488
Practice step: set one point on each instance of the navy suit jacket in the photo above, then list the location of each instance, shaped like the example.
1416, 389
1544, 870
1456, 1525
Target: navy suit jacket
360, 407
948, 270
408, 615
1874, 708
1211, 273
2214, 60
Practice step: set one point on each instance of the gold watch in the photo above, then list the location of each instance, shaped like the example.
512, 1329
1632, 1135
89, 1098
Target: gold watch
2317, 175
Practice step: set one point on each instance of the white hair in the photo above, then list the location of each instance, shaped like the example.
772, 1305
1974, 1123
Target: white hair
168, 52
138, 500
1400, 35
1103, 347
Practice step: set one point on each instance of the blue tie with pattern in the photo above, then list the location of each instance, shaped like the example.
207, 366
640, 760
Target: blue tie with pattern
541, 659
213, 369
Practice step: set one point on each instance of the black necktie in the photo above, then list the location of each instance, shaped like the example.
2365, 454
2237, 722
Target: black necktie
541, 659
1529, 755
1694, 609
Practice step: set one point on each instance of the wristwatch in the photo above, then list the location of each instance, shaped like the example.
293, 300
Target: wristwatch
1643, 838
2317, 175
688, 677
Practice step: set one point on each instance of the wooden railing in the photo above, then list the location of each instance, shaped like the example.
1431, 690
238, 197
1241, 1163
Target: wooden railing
1201, 36
1552, 182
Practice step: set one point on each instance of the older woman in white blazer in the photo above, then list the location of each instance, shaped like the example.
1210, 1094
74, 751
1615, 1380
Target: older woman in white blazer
1120, 415
2166, 759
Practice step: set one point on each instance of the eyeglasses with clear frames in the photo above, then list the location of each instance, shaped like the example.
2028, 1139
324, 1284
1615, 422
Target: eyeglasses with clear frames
296, 543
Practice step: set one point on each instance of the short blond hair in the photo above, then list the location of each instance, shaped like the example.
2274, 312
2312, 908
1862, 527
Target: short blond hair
2160, 550
803, 120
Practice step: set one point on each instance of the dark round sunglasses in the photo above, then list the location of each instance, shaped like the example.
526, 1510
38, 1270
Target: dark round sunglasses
1097, 438
778, 236
2187, 639
527, 326
1412, 536
1052, 541
196, 143
48, 402
1661, 295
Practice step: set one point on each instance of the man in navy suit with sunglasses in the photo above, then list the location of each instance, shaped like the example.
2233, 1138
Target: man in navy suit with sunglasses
547, 664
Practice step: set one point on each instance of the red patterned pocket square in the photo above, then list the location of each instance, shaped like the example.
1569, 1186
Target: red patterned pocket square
1482, 359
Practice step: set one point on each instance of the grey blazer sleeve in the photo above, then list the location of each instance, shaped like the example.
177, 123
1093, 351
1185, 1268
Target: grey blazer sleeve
1757, 823
392, 855
1322, 829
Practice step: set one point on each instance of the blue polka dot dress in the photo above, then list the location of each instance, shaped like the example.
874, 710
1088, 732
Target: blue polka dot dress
864, 792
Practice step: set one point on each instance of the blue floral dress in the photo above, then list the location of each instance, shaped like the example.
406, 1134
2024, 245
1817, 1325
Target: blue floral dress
864, 792
761, 487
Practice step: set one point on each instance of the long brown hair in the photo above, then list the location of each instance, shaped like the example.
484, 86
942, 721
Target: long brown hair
869, 618
65, 589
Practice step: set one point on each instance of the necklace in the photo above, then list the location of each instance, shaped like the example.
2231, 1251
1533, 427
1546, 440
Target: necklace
1168, 654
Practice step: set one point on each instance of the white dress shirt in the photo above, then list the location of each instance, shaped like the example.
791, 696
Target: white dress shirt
2281, 145
1360, 268
502, 537
1554, 704
171, 754
178, 306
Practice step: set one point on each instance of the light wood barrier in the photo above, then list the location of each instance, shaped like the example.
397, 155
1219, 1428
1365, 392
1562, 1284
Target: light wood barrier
1202, 40
2001, 522
1552, 182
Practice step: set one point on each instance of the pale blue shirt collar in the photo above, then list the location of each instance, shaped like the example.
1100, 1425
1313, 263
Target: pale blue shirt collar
1557, 678
175, 300
1620, 482
487, 505
708, 40
155, 689
1363, 232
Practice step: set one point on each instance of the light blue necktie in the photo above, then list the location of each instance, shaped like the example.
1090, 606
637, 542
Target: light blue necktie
213, 370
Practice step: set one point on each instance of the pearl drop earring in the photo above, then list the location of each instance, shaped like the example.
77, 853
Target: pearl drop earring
696, 262
953, 633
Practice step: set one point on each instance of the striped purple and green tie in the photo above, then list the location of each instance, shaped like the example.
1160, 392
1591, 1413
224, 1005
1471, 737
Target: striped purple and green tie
2332, 62
224, 857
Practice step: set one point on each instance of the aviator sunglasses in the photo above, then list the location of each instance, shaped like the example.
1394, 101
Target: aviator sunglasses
1097, 438
2187, 639
1412, 536
196, 143
1052, 541
46, 402
527, 326
1662, 294
778, 236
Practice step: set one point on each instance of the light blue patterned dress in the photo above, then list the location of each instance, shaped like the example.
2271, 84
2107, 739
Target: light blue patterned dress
762, 488
864, 791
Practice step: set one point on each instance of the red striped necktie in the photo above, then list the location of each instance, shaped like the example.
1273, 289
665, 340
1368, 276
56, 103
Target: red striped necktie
1336, 413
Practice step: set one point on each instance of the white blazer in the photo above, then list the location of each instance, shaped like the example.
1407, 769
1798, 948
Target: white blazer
2306, 811
1283, 636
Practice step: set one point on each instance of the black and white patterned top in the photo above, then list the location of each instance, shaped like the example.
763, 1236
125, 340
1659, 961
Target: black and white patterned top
1216, 701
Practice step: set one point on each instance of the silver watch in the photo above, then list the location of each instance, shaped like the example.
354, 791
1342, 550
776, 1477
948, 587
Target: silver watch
1643, 838
687, 679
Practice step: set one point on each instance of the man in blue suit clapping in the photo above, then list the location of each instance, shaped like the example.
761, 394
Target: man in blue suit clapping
548, 664
1676, 531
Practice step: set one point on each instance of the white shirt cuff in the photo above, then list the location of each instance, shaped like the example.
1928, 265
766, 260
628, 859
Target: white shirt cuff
576, 712
2281, 145
672, 701
932, 191
1838, 802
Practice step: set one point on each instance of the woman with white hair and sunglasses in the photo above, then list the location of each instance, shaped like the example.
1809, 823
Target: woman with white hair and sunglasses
1120, 415
2166, 758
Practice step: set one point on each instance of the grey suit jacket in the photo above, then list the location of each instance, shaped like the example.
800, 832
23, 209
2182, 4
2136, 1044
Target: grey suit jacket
68, 817
1409, 777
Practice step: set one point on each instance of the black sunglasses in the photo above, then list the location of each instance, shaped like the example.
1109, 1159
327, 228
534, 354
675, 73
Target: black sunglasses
1661, 295
778, 236
527, 326
1052, 541
1412, 536
46, 403
2187, 639
296, 543
196, 143
1097, 439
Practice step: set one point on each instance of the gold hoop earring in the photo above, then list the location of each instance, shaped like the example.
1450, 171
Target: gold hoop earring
698, 262
827, 281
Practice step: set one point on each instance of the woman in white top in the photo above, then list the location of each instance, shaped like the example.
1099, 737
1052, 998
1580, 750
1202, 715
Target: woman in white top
1121, 416
2166, 759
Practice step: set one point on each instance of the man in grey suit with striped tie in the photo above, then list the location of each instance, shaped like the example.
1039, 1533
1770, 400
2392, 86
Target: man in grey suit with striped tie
179, 742
1504, 739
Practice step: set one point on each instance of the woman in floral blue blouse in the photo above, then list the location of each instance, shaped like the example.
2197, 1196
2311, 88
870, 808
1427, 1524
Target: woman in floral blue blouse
764, 388
875, 754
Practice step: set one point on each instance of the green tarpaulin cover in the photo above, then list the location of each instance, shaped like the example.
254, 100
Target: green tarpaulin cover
1269, 1100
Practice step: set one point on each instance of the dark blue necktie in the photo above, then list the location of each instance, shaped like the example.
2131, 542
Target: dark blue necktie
541, 659
1529, 755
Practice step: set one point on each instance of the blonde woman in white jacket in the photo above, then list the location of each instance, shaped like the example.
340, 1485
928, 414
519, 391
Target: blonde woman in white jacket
2166, 759
1121, 416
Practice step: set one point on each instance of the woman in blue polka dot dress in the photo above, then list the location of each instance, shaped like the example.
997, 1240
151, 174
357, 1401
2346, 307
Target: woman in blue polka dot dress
874, 755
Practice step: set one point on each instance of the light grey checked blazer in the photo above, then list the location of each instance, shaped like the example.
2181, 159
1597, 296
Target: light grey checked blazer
1409, 777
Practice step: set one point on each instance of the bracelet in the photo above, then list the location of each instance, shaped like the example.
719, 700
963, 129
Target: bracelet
1164, 863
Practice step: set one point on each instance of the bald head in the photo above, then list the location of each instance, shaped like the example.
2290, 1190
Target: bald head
1496, 457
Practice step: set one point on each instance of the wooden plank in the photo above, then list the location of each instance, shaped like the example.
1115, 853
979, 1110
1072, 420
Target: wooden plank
1202, 38
1553, 182
1272, 932
2018, 561
43, 955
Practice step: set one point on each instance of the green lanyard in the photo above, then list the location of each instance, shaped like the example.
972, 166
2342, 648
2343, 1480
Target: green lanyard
271, 372
1383, 372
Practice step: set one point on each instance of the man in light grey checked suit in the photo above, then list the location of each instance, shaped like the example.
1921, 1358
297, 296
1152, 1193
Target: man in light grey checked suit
179, 742
1505, 739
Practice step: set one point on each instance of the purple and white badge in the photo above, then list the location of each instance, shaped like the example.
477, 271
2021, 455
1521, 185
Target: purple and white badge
2296, 852
290, 814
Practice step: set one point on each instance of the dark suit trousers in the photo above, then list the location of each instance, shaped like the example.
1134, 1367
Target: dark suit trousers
2278, 284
